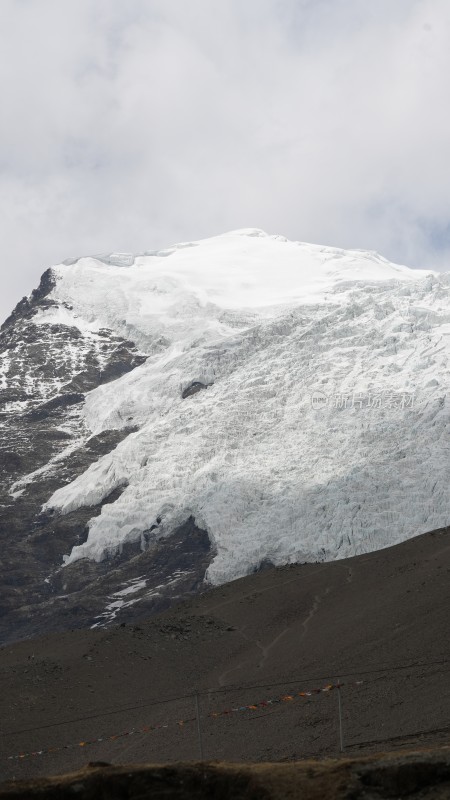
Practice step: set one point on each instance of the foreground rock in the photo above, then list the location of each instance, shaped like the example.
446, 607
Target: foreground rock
416, 775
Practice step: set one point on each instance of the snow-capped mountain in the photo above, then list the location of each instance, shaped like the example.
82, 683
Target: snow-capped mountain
288, 400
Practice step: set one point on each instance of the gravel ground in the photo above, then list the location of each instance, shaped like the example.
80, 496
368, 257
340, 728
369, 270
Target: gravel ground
380, 618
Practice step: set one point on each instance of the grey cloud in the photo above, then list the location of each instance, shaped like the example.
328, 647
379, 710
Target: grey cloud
132, 125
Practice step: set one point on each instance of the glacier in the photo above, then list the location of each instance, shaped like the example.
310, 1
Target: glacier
320, 428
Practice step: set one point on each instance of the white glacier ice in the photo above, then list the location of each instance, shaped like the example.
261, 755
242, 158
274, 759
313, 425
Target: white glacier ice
265, 324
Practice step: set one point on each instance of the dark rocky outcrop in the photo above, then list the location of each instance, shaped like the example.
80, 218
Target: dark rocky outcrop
44, 445
193, 388
28, 306
414, 775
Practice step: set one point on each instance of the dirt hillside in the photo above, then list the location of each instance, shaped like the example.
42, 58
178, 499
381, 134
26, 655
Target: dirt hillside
255, 650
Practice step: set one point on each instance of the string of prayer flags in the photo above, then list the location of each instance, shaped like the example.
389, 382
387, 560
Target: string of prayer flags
285, 698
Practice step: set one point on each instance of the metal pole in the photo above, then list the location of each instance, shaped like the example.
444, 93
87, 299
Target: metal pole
341, 734
199, 727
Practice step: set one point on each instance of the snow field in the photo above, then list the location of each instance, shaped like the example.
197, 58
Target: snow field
266, 323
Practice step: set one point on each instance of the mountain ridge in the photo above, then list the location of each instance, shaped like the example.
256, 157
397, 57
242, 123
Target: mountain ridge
141, 392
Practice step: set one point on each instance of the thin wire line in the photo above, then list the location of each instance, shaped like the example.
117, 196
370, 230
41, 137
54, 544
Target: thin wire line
226, 690
235, 687
96, 716
399, 736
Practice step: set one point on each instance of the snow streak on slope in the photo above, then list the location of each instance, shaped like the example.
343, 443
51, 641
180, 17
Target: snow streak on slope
265, 323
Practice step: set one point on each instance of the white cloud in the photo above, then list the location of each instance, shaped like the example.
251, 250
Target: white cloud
132, 125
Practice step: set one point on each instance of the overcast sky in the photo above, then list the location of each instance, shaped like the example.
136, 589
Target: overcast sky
133, 124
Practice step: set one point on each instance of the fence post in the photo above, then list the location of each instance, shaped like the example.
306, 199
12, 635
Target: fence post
199, 727
341, 734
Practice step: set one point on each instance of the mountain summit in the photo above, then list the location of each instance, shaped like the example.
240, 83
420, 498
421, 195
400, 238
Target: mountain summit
264, 401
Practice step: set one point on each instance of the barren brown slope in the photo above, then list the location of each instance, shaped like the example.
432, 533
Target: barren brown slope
382, 618
416, 775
